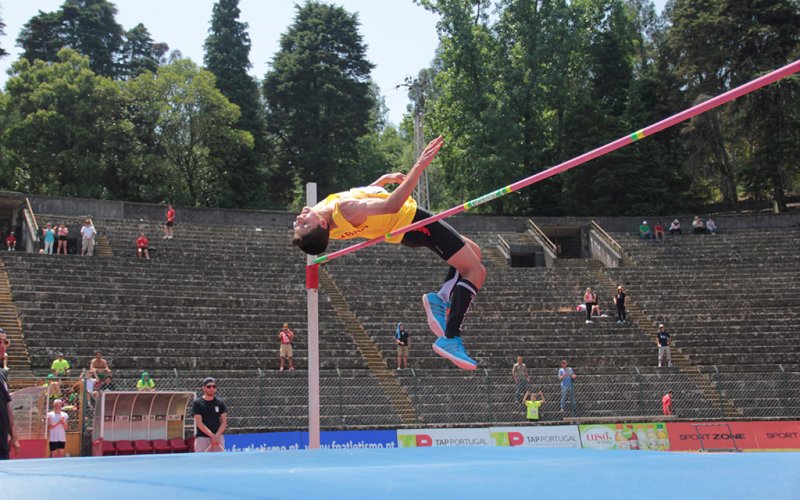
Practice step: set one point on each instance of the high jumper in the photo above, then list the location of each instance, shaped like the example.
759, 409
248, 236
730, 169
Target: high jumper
370, 212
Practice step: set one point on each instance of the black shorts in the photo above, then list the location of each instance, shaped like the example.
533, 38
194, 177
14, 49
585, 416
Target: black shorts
170, 223
57, 445
438, 236
62, 238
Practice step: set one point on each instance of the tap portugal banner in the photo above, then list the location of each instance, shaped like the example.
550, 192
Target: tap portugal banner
418, 438
556, 436
764, 436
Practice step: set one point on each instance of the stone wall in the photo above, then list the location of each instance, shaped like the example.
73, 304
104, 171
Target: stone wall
466, 223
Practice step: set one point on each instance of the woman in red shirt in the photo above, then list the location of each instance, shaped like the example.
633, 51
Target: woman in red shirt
141, 246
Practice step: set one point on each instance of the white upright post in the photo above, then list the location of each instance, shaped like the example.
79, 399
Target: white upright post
312, 291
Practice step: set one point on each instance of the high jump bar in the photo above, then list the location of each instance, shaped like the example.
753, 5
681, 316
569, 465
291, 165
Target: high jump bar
603, 150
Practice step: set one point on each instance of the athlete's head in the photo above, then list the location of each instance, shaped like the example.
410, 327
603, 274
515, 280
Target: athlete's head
311, 232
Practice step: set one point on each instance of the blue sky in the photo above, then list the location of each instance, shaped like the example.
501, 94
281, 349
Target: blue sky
400, 36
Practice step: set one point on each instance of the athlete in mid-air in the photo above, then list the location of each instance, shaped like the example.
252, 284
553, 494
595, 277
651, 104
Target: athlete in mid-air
370, 212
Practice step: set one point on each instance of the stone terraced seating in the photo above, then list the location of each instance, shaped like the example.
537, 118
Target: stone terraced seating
177, 310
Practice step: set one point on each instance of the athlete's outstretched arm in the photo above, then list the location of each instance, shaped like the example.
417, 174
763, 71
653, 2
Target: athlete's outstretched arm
395, 201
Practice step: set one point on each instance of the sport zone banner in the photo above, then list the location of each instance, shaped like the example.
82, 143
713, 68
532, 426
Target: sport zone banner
558, 436
418, 438
628, 436
747, 435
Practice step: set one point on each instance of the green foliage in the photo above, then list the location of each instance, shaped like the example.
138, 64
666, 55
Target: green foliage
186, 122
139, 53
227, 53
3, 52
318, 99
64, 127
90, 28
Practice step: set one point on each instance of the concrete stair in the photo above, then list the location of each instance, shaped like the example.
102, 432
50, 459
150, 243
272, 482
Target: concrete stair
375, 362
19, 362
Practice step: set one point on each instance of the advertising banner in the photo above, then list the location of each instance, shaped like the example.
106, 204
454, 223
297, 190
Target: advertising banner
685, 436
297, 440
411, 438
557, 436
264, 441
628, 436
355, 439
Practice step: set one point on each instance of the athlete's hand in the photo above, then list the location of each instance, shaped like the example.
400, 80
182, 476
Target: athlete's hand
430, 152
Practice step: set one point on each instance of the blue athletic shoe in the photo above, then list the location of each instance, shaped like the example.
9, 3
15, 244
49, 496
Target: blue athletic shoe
436, 310
453, 350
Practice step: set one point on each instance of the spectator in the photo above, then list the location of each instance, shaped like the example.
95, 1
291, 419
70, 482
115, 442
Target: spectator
89, 383
49, 239
53, 386
403, 343
596, 308
11, 242
142, 246
567, 378
697, 225
659, 231
145, 383
105, 383
210, 418
4, 350
644, 231
619, 301
286, 337
60, 366
87, 238
8, 433
532, 403
99, 364
170, 224
57, 427
63, 233
675, 228
666, 404
711, 226
520, 374
663, 345
590, 299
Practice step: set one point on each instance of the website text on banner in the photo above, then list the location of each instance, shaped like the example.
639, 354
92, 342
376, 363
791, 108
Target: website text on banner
287, 441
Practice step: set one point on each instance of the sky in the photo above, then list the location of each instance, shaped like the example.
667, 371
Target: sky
400, 35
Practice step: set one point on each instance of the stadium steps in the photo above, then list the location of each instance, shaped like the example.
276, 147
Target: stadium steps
394, 391
680, 360
492, 255
19, 363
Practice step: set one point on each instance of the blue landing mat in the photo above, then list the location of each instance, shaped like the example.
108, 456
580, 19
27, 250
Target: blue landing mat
474, 472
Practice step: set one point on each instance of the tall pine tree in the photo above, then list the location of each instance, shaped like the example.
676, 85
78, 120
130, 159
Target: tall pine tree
227, 56
318, 97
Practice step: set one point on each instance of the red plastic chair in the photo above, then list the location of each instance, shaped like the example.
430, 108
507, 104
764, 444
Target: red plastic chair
142, 446
178, 445
125, 447
109, 449
190, 444
161, 446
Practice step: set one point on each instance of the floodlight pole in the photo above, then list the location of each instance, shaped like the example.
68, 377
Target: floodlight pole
312, 292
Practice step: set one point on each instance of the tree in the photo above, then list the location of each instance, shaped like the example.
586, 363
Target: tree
318, 97
90, 28
139, 53
182, 118
465, 110
227, 56
66, 130
3, 52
